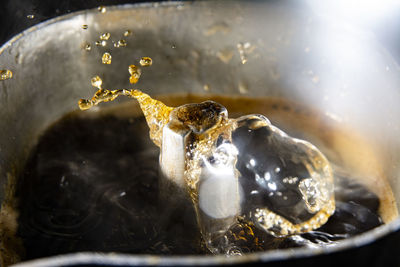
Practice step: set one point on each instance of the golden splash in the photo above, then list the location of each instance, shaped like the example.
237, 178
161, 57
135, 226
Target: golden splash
155, 112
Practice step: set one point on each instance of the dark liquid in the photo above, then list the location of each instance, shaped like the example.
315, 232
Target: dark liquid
92, 184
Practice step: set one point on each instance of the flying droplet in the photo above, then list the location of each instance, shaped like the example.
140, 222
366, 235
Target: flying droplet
30, 16
87, 47
135, 73
101, 43
96, 82
5, 75
85, 26
134, 69
105, 36
134, 78
120, 43
127, 33
146, 61
106, 58
102, 9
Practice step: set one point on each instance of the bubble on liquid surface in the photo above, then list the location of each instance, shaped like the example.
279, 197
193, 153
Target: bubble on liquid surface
287, 182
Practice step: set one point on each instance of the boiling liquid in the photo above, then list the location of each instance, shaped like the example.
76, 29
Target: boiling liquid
93, 184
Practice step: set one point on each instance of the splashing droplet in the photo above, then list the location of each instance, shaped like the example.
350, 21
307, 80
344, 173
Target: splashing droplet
106, 58
87, 47
96, 81
105, 36
102, 9
146, 61
5, 75
135, 73
120, 43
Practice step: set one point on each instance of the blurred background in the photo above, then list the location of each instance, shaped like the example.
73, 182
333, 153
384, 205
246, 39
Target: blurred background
382, 17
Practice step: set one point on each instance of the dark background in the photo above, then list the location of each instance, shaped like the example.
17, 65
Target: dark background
13, 13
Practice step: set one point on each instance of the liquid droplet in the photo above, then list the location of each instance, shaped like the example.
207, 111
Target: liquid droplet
106, 58
127, 33
105, 36
102, 9
120, 43
135, 73
101, 43
87, 47
85, 26
134, 69
84, 104
5, 75
134, 78
96, 81
30, 16
146, 61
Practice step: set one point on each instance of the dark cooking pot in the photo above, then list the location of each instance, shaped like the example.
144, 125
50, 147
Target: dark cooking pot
335, 68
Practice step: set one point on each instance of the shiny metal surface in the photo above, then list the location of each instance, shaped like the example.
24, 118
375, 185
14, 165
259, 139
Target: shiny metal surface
335, 68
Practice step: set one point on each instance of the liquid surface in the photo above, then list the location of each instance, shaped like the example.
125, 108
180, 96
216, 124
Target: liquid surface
92, 184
